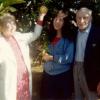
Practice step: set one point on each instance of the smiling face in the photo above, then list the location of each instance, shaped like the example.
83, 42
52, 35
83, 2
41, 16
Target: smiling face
10, 28
83, 18
59, 21
8, 25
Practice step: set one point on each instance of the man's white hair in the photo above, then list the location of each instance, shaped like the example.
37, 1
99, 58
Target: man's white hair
86, 10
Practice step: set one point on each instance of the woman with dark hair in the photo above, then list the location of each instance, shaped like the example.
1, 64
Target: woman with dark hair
57, 76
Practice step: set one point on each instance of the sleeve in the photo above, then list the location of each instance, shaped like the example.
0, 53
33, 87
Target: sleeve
2, 78
67, 57
31, 36
2, 82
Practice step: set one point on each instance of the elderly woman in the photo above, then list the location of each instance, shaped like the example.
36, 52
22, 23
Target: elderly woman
15, 69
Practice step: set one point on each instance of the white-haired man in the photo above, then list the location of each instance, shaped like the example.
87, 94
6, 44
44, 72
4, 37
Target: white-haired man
87, 64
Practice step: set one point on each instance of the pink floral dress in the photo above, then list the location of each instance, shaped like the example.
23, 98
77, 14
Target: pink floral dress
23, 92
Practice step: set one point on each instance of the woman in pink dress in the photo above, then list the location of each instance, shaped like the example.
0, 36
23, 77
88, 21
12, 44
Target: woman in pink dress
15, 69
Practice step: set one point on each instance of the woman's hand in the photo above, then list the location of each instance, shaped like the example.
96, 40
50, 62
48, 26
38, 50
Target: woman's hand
47, 57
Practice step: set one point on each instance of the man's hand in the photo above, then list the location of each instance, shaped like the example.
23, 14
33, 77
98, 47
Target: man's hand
98, 89
47, 57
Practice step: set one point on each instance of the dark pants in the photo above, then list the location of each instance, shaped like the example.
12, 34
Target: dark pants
57, 87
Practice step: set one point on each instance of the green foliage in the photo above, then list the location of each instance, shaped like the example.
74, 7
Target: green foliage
98, 5
5, 5
11, 2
